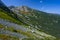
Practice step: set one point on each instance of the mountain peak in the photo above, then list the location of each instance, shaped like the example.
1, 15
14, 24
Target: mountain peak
21, 8
24, 8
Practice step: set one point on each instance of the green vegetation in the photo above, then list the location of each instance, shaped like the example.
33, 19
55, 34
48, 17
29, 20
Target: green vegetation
5, 16
25, 33
6, 37
41, 21
28, 39
19, 31
1, 26
37, 39
48, 23
28, 34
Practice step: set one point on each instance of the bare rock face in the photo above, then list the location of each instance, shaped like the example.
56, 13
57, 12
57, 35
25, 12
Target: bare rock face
23, 8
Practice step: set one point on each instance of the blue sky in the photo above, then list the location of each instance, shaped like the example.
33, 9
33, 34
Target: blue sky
50, 6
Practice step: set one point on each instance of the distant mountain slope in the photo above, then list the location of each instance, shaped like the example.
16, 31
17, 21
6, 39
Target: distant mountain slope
47, 22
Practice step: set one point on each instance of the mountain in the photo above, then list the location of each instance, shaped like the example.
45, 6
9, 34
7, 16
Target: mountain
18, 23
47, 22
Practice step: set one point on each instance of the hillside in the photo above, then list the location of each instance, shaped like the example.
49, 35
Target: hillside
22, 25
47, 22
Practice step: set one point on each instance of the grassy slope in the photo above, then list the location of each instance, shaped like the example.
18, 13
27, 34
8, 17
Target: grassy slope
6, 37
7, 16
30, 35
48, 23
